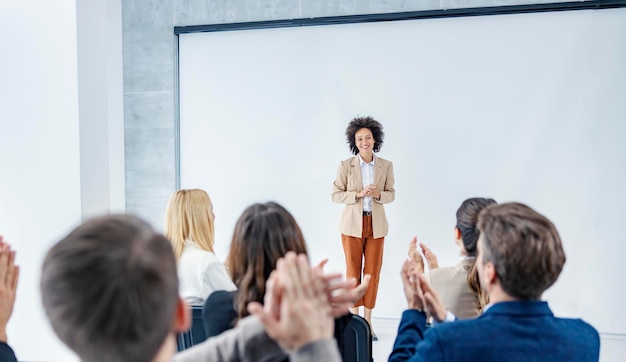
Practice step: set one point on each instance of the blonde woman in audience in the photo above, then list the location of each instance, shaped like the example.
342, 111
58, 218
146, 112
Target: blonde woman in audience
458, 287
189, 227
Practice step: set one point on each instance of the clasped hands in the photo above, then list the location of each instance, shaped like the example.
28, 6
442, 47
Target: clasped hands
301, 302
369, 191
419, 293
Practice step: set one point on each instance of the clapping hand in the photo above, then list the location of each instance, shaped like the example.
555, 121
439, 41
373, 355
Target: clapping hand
297, 310
342, 294
415, 256
9, 275
431, 258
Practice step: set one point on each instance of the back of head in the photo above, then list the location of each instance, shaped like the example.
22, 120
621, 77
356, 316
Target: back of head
189, 216
466, 219
110, 289
524, 247
263, 234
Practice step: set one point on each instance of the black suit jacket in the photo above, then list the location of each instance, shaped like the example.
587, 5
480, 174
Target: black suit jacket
219, 315
6, 353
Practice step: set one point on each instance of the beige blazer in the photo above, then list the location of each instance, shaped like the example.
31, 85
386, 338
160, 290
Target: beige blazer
450, 283
349, 182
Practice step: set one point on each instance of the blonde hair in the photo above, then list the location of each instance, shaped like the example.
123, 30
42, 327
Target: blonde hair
189, 216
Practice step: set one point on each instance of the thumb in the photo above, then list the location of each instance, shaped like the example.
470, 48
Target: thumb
255, 308
270, 324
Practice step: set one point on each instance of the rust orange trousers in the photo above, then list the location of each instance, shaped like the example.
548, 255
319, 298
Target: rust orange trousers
364, 255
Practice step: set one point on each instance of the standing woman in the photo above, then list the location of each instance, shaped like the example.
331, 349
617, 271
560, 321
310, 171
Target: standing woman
189, 227
364, 183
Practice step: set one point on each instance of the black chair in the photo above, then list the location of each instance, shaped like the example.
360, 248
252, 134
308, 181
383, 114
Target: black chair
357, 341
195, 334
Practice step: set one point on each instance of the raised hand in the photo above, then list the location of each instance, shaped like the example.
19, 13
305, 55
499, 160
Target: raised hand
415, 256
305, 312
431, 258
343, 294
9, 275
432, 303
412, 289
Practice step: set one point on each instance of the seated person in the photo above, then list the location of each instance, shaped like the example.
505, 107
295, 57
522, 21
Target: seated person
110, 292
9, 274
189, 227
458, 286
520, 255
263, 234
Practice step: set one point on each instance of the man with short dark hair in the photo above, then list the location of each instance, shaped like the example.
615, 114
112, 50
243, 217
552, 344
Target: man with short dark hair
110, 291
519, 256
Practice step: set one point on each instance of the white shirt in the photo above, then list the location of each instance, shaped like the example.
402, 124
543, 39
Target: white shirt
367, 176
200, 273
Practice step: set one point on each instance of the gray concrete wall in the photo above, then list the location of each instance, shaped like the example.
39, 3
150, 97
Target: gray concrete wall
149, 48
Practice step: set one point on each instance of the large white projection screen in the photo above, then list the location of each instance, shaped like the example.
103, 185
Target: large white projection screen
525, 107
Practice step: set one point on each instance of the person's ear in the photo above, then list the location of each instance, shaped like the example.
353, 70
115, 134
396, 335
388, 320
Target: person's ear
182, 317
457, 235
458, 239
489, 271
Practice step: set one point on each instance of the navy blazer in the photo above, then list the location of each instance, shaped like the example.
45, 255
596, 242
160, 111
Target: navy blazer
507, 331
6, 353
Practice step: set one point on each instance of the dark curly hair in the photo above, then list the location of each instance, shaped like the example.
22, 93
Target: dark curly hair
365, 122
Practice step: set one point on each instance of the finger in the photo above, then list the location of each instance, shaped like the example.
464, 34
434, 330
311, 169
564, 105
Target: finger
270, 287
10, 272
412, 244
307, 281
269, 323
255, 308
413, 275
359, 291
340, 286
428, 253
321, 264
427, 288
329, 278
16, 277
291, 277
4, 263
406, 267
351, 294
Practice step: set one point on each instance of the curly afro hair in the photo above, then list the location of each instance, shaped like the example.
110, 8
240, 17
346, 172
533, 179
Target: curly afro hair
365, 122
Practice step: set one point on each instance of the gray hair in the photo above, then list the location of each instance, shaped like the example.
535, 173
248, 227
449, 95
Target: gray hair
110, 289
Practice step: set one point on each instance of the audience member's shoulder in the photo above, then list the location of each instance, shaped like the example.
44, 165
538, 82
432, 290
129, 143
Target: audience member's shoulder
580, 328
459, 326
209, 257
444, 274
221, 297
196, 255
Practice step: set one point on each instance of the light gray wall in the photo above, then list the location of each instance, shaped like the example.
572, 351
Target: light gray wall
149, 48
99, 45
40, 189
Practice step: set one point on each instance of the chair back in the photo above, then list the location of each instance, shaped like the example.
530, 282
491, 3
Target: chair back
195, 334
357, 341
